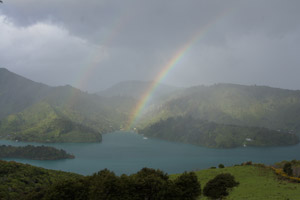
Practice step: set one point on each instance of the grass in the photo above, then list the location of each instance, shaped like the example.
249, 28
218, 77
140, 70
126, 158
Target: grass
256, 183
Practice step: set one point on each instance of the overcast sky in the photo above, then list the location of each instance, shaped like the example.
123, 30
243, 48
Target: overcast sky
93, 44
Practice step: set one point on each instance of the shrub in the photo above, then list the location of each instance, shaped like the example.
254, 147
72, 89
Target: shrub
287, 168
218, 186
221, 166
188, 186
248, 163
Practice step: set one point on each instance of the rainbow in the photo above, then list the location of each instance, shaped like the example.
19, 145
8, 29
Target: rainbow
135, 114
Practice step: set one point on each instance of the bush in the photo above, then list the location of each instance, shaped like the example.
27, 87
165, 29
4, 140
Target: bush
221, 166
248, 163
287, 168
188, 186
218, 186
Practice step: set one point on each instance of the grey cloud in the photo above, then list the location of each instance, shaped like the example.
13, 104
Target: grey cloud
249, 42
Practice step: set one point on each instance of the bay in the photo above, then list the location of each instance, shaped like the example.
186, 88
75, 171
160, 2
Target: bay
124, 152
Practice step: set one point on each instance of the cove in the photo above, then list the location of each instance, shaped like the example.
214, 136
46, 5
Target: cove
124, 152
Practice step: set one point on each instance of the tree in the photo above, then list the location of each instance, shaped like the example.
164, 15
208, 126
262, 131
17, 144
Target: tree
68, 190
287, 168
221, 166
188, 186
104, 185
150, 184
218, 186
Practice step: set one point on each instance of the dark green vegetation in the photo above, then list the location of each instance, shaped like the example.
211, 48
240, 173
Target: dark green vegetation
210, 134
18, 180
33, 152
218, 187
105, 185
32, 111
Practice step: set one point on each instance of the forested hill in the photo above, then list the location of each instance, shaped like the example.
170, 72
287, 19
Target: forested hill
17, 92
34, 152
32, 111
257, 106
210, 134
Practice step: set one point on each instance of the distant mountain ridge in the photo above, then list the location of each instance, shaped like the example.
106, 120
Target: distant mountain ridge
136, 89
254, 106
33, 111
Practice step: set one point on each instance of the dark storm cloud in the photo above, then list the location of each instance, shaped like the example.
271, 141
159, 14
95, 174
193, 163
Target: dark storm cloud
249, 42
142, 22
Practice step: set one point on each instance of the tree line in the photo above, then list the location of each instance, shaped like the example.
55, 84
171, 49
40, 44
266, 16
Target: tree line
147, 184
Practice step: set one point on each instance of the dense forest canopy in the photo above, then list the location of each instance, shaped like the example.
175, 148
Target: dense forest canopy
33, 152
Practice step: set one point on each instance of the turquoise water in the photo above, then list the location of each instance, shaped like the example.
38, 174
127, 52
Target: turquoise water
124, 152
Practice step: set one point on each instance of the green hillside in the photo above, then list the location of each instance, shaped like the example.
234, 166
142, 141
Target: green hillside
257, 106
256, 183
36, 112
210, 134
100, 113
32, 111
43, 123
17, 93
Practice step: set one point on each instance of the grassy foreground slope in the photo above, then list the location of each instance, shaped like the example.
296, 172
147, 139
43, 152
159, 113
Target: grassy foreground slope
256, 183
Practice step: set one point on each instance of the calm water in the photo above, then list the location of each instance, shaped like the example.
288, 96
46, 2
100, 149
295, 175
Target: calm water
127, 153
